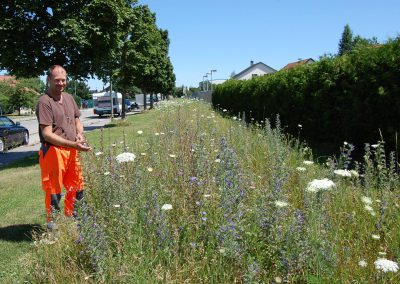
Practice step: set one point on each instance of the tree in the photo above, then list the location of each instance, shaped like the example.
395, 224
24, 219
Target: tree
26, 93
6, 91
79, 88
151, 70
346, 42
78, 34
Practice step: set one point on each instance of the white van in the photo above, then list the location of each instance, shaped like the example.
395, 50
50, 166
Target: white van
102, 103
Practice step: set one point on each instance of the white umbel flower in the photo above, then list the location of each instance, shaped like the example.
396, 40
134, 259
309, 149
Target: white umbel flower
386, 265
320, 184
280, 203
98, 153
301, 169
308, 162
342, 173
362, 263
366, 200
166, 207
125, 157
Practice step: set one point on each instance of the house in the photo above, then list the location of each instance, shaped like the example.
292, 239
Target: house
298, 63
254, 70
10, 80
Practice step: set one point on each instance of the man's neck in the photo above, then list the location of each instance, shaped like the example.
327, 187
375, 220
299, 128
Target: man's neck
55, 95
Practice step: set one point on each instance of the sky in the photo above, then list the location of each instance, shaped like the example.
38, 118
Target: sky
225, 35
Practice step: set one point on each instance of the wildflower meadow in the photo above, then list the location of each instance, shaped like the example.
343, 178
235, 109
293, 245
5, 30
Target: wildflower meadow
198, 196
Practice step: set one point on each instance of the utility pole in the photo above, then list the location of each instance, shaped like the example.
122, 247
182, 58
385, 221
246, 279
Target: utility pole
111, 99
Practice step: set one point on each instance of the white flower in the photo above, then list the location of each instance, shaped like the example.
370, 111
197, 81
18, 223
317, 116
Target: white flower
343, 173
301, 169
117, 205
207, 195
149, 169
362, 263
366, 200
217, 160
125, 157
374, 146
166, 207
386, 265
308, 162
300, 126
172, 155
354, 173
234, 118
156, 134
140, 132
143, 154
224, 110
98, 153
280, 203
345, 143
320, 184
376, 237
113, 145
106, 173
368, 208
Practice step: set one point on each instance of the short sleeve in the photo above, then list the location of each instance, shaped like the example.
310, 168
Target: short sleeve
44, 113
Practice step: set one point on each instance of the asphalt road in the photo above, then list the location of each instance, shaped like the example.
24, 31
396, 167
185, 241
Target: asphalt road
90, 122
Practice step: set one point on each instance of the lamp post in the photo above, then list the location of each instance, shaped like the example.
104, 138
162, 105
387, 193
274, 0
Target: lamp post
211, 76
208, 81
205, 76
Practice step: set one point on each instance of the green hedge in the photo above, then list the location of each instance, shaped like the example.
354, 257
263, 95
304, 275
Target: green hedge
337, 99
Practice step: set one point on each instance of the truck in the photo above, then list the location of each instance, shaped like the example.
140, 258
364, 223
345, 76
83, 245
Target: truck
102, 103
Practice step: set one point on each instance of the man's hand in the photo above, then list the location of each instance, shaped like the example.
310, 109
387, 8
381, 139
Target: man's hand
82, 146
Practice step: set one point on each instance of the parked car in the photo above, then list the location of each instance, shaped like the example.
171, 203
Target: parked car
12, 134
130, 105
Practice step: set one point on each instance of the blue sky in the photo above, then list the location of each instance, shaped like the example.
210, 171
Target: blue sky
226, 34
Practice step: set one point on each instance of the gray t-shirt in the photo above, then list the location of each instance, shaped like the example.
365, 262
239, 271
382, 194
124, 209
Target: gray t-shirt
61, 116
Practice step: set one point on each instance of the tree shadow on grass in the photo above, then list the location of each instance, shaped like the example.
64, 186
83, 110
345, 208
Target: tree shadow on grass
20, 232
18, 159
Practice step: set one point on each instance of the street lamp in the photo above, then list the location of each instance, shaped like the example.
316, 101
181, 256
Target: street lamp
211, 76
208, 80
205, 76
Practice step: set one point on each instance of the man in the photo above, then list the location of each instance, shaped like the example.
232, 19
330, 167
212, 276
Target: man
61, 135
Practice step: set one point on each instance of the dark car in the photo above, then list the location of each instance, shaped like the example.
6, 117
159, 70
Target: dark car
12, 134
130, 105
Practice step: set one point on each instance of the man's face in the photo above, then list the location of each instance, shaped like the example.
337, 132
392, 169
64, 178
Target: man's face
57, 80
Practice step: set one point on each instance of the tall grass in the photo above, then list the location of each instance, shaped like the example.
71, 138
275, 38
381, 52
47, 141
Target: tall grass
209, 199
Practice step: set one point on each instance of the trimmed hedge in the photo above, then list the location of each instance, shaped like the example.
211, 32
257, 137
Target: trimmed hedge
348, 98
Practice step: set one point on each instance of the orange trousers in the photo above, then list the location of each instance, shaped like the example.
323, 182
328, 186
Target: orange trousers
60, 166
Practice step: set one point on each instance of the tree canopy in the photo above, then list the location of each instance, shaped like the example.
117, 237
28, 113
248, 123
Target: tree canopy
116, 39
348, 42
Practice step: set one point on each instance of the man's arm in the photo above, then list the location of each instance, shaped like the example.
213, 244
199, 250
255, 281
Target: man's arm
79, 130
54, 139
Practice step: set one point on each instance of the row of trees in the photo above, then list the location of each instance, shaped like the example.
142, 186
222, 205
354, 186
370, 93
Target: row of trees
110, 39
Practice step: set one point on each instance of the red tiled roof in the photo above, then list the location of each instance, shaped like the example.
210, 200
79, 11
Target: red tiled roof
297, 63
9, 79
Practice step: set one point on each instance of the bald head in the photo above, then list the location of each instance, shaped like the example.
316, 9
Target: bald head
57, 80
